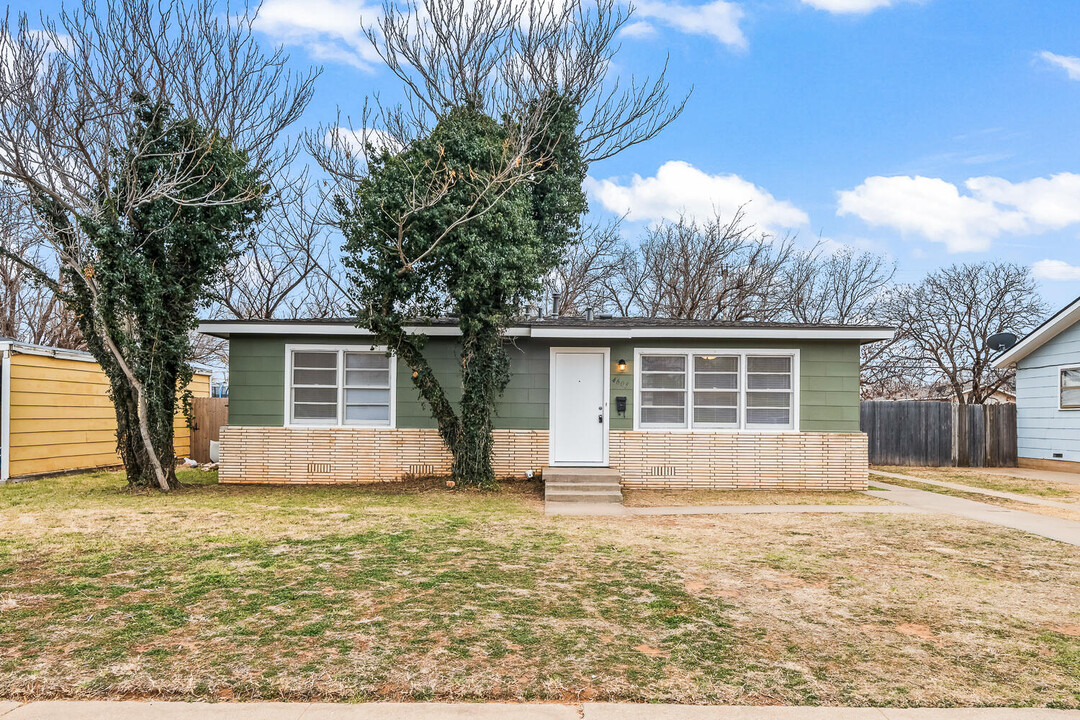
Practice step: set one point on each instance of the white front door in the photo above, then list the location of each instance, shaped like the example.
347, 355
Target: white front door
579, 418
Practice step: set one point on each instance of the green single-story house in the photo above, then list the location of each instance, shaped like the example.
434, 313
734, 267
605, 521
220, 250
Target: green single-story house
666, 403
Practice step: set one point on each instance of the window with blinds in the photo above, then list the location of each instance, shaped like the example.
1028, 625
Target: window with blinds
367, 388
1070, 389
663, 390
716, 391
768, 391
695, 389
340, 386
315, 387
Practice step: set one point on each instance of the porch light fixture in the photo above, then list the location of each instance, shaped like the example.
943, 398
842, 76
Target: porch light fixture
621, 365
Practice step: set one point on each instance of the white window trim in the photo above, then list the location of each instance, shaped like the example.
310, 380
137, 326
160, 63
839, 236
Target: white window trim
1061, 387
743, 353
340, 350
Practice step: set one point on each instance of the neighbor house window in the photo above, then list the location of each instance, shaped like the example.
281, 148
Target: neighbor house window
340, 386
1070, 388
696, 389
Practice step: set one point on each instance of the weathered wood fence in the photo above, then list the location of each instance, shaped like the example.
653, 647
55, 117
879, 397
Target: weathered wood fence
910, 432
208, 414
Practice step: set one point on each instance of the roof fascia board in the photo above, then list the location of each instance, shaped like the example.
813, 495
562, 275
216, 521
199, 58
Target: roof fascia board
578, 333
224, 329
766, 333
1065, 318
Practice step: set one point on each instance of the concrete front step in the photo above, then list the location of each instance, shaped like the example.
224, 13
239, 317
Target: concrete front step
584, 496
566, 487
582, 475
575, 486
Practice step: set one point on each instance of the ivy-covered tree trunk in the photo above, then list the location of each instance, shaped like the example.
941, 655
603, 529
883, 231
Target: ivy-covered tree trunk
485, 373
468, 245
135, 280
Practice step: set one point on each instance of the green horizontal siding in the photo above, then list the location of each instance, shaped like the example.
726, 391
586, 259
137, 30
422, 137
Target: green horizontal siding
829, 380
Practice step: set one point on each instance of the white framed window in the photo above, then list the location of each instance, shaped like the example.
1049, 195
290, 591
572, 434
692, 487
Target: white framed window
1069, 388
701, 389
338, 385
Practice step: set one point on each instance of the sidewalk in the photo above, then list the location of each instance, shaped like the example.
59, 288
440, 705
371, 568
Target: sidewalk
1033, 474
1030, 499
132, 710
588, 509
1066, 531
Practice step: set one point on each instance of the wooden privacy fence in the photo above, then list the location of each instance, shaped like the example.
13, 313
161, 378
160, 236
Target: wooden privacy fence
912, 432
208, 414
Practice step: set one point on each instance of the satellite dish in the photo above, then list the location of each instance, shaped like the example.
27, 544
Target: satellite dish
1001, 342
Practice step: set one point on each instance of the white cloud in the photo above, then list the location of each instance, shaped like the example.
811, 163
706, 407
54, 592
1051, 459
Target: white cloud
327, 29
638, 30
1056, 270
678, 187
1050, 203
850, 7
1071, 65
718, 19
940, 212
356, 141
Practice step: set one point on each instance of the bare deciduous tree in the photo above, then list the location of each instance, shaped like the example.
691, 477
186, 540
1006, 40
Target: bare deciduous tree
843, 287
80, 101
29, 309
524, 63
944, 321
718, 270
591, 266
288, 269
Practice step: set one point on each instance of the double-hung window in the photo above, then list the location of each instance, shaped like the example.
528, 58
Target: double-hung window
723, 389
1069, 385
339, 386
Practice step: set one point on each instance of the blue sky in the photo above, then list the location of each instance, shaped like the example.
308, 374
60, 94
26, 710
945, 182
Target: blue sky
936, 131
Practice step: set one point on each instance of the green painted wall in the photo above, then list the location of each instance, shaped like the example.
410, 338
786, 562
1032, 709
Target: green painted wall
829, 383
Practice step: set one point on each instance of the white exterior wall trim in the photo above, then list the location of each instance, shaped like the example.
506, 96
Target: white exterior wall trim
1061, 387
743, 353
606, 352
1043, 334
340, 350
224, 329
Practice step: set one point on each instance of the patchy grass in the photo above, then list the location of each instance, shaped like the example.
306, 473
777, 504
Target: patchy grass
240, 592
665, 498
1064, 492
1049, 511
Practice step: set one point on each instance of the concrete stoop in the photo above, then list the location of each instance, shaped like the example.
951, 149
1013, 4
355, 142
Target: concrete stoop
565, 487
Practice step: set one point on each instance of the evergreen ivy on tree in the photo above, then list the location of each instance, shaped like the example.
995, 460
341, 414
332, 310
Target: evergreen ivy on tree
472, 243
463, 197
139, 136
142, 276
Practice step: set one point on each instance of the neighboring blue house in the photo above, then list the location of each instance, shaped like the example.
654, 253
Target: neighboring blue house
1047, 364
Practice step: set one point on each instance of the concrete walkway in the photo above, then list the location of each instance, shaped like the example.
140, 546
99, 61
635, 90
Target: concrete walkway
1067, 531
1019, 497
104, 710
623, 511
1033, 474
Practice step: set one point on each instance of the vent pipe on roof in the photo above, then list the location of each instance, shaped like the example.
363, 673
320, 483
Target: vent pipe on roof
555, 297
588, 314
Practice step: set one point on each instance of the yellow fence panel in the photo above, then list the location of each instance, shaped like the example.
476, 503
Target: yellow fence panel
62, 418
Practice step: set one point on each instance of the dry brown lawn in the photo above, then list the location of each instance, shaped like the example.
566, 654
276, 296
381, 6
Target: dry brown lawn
225, 592
974, 477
